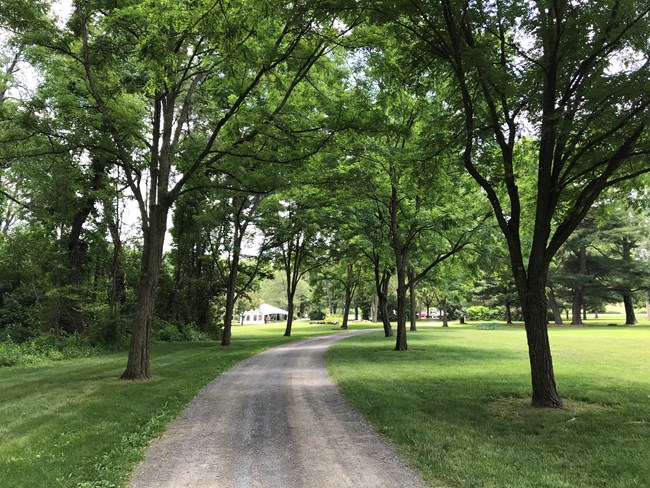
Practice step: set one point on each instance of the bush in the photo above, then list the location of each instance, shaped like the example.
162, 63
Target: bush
44, 349
9, 354
164, 331
316, 315
480, 312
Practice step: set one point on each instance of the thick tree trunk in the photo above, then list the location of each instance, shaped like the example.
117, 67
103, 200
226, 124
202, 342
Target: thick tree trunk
628, 302
137, 367
576, 309
374, 309
557, 315
412, 304
533, 307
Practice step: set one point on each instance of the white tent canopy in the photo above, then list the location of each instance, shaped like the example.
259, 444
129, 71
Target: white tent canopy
263, 314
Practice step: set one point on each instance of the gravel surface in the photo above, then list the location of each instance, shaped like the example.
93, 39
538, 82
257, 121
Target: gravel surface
274, 420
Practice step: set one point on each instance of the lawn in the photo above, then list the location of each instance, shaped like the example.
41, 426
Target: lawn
74, 424
456, 405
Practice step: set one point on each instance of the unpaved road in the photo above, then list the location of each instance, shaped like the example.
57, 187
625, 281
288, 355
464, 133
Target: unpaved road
275, 420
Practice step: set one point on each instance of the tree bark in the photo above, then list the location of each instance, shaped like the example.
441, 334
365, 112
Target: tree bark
628, 302
400, 342
290, 309
137, 367
533, 307
557, 315
382, 281
374, 309
231, 284
508, 312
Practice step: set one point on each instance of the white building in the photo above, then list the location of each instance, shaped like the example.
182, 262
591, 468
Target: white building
264, 314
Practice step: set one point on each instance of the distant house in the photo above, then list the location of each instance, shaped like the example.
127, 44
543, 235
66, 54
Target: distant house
264, 314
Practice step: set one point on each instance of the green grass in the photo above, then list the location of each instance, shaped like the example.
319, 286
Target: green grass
456, 405
74, 424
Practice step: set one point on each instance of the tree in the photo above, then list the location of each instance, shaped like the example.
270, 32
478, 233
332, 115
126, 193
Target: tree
553, 68
299, 242
177, 90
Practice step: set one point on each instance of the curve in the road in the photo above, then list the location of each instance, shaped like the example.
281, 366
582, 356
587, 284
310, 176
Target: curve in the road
274, 420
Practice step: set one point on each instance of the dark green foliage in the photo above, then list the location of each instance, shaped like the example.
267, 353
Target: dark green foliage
316, 315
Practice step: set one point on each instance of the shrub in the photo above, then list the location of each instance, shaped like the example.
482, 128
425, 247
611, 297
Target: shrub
480, 312
316, 315
9, 354
164, 331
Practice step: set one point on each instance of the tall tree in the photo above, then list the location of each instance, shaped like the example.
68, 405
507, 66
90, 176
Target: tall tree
571, 75
178, 88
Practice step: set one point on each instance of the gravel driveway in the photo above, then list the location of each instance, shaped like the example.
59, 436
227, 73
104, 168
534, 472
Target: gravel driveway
274, 420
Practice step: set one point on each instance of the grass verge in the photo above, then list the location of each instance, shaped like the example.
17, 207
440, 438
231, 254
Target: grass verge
456, 405
74, 424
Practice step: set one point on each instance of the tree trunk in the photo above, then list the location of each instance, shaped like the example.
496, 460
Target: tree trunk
137, 367
117, 297
628, 302
401, 343
231, 286
508, 312
412, 304
443, 306
290, 308
557, 315
533, 307
231, 298
346, 309
576, 309
382, 282
374, 309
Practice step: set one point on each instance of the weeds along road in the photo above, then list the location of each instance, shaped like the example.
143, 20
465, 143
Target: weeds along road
274, 420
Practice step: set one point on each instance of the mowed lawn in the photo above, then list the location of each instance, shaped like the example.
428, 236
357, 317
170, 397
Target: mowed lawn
456, 405
74, 424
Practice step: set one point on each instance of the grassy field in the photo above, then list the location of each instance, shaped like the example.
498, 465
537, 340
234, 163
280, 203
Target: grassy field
74, 424
456, 405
